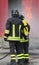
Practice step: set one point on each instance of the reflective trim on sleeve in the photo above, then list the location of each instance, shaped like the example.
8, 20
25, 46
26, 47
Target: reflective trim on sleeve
5, 37
7, 31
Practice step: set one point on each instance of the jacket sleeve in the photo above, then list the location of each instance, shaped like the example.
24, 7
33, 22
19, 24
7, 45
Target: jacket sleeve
28, 27
7, 30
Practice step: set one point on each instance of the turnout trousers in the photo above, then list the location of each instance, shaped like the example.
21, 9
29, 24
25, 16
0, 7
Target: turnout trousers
19, 50
12, 52
16, 45
26, 52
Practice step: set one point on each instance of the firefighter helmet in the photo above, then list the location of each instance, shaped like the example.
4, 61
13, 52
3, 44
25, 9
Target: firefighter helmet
17, 12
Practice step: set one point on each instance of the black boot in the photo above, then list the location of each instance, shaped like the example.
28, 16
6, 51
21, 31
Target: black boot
8, 63
20, 62
26, 62
12, 63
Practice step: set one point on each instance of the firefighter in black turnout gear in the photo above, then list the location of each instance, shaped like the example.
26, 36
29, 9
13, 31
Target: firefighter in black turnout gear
22, 47
12, 35
19, 46
25, 29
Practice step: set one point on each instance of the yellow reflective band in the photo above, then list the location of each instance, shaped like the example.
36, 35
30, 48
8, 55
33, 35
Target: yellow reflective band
26, 57
24, 22
13, 30
13, 38
19, 29
5, 37
23, 40
20, 54
7, 31
20, 57
12, 58
26, 54
23, 57
12, 55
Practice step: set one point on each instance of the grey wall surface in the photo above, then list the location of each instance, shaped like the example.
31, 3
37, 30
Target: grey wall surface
14, 5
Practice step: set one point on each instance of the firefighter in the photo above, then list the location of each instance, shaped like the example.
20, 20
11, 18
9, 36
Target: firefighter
19, 46
25, 29
12, 35
22, 47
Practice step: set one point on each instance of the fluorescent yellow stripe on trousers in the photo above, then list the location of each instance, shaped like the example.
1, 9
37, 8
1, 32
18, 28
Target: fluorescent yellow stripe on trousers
26, 56
12, 57
20, 56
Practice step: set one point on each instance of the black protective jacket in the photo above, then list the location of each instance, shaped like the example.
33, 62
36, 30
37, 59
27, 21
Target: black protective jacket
16, 29
12, 31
